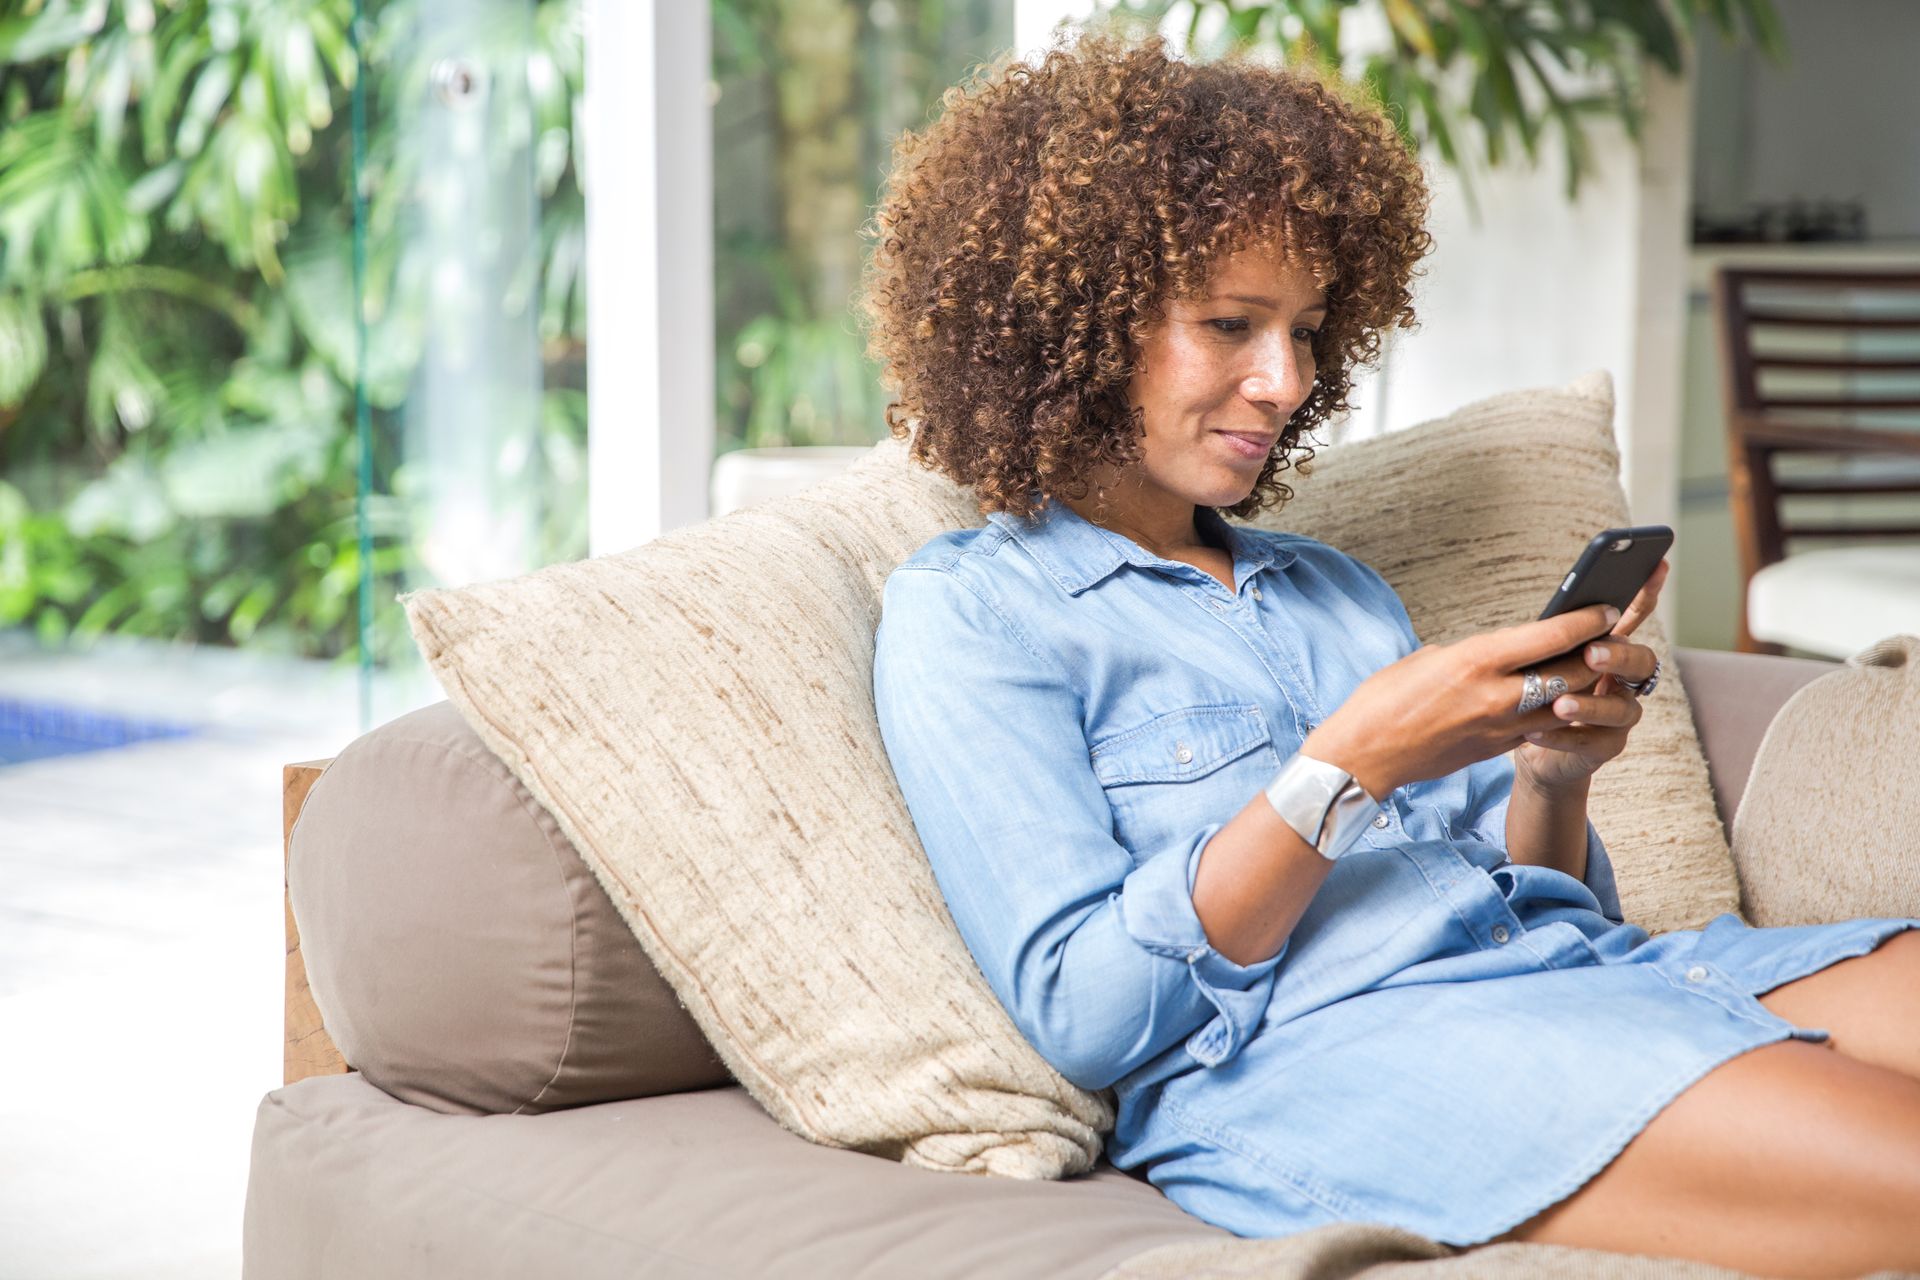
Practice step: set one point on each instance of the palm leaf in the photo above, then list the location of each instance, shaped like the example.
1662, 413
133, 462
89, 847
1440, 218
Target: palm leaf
52, 31
23, 347
63, 207
122, 388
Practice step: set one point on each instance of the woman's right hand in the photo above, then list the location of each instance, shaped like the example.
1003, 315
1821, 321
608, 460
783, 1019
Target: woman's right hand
1446, 706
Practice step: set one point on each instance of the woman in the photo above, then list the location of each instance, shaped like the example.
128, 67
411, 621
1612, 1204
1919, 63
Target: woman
1114, 292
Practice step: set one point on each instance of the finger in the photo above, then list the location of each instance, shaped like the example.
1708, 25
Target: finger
1616, 712
1513, 648
1589, 744
1614, 657
1640, 608
1574, 673
1579, 674
1540, 720
1578, 739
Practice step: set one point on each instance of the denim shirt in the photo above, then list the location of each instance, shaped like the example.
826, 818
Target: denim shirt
1071, 718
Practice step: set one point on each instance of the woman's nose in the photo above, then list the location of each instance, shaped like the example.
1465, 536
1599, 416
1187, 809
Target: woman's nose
1281, 377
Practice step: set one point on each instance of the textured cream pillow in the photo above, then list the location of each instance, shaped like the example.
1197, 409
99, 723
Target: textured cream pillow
1474, 518
697, 714
1825, 831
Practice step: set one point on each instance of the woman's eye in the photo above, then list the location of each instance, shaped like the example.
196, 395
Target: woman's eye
1306, 335
1230, 324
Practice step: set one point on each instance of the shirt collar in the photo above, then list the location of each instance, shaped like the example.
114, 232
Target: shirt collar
1076, 553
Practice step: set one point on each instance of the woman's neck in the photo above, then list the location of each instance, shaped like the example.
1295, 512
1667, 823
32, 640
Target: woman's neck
1166, 528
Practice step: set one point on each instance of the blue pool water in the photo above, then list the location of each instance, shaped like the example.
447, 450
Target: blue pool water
36, 730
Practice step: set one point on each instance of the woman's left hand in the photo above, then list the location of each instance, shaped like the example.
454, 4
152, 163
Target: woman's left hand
1594, 725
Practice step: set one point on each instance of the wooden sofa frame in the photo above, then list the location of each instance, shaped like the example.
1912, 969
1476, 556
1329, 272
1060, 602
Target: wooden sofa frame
309, 1050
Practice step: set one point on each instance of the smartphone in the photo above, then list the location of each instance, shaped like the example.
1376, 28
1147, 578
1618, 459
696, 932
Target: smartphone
1613, 568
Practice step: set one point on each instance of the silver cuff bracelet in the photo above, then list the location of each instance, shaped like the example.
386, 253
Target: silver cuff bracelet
1322, 803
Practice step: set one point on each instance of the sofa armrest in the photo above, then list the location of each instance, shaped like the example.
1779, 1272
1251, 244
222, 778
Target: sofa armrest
1735, 697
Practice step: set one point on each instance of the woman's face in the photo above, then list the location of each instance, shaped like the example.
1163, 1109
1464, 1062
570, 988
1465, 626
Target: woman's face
1221, 376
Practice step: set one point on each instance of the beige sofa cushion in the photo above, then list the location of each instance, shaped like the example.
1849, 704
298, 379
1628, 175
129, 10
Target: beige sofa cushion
348, 1184
1825, 832
705, 1184
1474, 519
697, 715
462, 955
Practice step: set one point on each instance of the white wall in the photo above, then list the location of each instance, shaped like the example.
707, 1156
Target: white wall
1840, 121
1533, 291
1539, 290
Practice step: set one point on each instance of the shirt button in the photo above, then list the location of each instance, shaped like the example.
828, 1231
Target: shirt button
1380, 821
1182, 752
1697, 974
1499, 933
1256, 593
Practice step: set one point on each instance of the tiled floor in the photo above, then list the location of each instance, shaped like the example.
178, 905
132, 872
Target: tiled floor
141, 953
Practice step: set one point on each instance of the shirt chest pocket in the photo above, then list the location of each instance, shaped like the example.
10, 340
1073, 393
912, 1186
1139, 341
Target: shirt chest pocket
1181, 770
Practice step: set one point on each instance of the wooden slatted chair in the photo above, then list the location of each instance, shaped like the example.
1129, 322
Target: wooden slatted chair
1821, 378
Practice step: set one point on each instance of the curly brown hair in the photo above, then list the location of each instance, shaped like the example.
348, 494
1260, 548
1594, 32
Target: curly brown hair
1028, 238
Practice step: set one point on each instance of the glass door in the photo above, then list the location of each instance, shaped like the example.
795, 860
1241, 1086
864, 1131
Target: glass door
470, 317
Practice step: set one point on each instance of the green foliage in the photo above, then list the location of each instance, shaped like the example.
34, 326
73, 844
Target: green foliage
1504, 70
791, 362
790, 374
23, 348
180, 333
178, 321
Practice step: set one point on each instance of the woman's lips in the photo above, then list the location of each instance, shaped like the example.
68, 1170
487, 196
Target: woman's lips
1247, 446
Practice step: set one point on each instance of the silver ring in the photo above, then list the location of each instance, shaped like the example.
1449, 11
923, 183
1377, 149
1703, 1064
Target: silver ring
1536, 693
1644, 687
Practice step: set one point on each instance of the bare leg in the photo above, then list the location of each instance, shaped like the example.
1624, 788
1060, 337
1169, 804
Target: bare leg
1870, 1003
1788, 1160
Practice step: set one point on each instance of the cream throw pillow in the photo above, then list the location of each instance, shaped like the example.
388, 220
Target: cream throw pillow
1825, 830
697, 714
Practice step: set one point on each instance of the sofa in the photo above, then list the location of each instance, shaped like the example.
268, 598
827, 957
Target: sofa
348, 1180
588, 968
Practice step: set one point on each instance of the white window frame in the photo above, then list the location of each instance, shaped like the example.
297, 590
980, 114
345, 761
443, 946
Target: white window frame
648, 155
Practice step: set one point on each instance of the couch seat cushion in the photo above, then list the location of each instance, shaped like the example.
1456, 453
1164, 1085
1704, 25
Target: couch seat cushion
347, 1181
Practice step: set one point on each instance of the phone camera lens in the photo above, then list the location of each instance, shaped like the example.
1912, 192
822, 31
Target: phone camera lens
1620, 544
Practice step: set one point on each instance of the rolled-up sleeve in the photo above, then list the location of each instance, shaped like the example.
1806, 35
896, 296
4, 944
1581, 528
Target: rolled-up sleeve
1101, 962
1157, 906
1599, 877
1491, 827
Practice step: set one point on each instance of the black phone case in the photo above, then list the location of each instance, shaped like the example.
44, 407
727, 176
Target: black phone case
1607, 573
